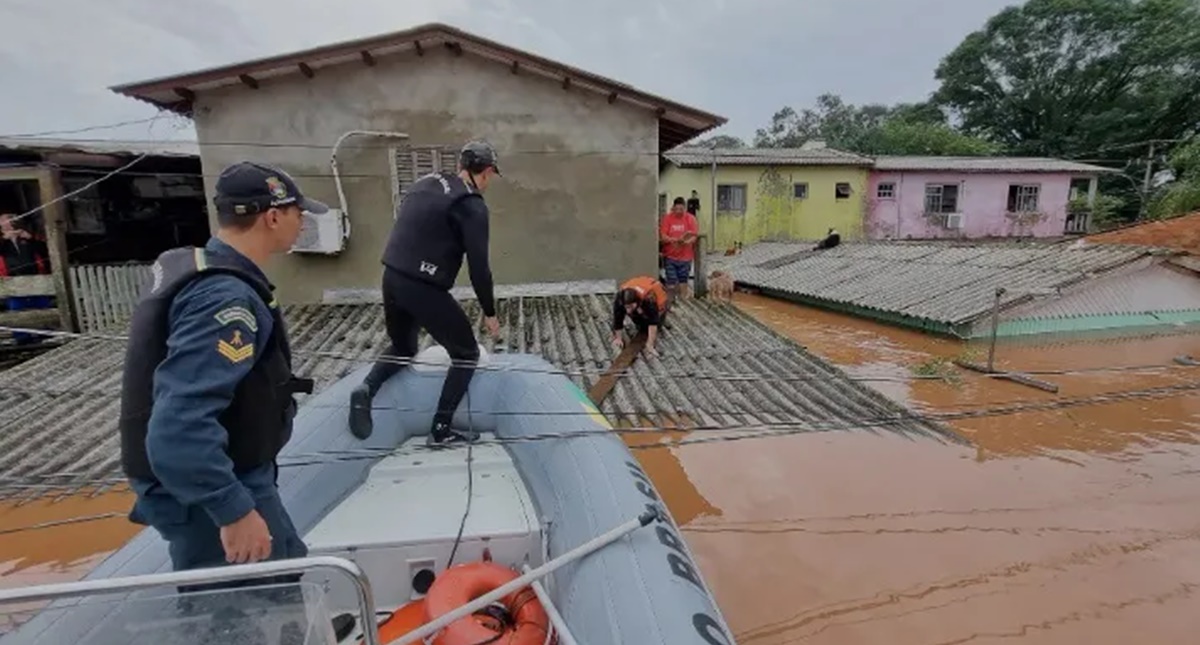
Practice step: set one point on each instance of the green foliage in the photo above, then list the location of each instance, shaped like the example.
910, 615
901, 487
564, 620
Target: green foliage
720, 141
1181, 196
909, 138
904, 129
1176, 198
1071, 79
937, 367
1107, 211
1078, 77
1185, 161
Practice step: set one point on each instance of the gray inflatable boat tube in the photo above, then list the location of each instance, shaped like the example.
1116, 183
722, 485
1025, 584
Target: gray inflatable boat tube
645, 589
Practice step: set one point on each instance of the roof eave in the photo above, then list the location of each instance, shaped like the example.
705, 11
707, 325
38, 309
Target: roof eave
688, 121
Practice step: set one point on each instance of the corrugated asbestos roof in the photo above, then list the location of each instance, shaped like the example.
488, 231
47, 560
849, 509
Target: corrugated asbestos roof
181, 148
985, 164
59, 411
937, 286
695, 156
699, 156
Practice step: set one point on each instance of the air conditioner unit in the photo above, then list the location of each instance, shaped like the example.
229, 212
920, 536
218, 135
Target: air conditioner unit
954, 221
323, 234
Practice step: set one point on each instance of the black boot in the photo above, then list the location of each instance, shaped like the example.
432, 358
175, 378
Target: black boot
361, 424
442, 434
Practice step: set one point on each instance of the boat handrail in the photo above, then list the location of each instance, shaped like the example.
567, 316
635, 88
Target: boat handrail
231, 573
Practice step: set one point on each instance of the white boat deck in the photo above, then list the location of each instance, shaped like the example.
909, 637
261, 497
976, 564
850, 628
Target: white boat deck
406, 515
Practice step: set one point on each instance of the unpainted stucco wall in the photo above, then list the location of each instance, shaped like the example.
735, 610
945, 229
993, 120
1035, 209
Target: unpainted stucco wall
578, 196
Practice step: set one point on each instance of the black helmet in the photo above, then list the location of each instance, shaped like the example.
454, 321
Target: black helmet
476, 156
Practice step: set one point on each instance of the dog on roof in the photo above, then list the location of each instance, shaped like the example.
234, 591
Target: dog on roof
720, 286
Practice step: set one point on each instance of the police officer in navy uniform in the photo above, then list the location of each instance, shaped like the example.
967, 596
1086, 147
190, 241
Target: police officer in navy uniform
442, 218
207, 394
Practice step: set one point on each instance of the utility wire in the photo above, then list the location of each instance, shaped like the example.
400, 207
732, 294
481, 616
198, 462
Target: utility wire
630, 371
9, 484
81, 189
90, 128
706, 433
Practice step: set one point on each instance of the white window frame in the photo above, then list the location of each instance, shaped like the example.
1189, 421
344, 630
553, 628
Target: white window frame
940, 196
729, 204
1027, 195
891, 190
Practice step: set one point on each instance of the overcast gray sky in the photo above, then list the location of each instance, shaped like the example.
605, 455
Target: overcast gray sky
743, 59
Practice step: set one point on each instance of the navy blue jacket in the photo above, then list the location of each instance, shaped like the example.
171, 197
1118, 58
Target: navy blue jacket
192, 386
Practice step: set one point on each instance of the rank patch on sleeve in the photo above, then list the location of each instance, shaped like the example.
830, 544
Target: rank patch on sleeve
235, 350
240, 314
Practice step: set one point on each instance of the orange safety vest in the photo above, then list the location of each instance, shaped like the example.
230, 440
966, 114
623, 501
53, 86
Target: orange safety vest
646, 285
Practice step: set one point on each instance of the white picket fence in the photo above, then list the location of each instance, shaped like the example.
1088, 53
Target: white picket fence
105, 294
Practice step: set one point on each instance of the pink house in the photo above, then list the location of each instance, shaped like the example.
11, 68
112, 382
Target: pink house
977, 197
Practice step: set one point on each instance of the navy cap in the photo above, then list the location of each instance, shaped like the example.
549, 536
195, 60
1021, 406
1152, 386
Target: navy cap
247, 188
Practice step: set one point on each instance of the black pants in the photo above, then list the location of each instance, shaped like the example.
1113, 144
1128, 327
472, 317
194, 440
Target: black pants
411, 305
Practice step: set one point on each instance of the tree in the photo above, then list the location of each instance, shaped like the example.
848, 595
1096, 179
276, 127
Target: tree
1082, 79
873, 129
720, 141
832, 120
1181, 196
897, 137
1078, 78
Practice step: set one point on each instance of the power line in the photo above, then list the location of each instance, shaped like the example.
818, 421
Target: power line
714, 433
83, 188
80, 519
90, 128
630, 371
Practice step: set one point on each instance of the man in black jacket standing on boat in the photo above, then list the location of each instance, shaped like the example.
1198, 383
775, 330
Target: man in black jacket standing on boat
442, 218
207, 393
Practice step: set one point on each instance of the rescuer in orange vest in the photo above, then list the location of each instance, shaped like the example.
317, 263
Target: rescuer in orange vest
644, 300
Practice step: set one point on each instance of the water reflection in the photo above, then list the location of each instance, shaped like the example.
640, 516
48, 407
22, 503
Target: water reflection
1059, 526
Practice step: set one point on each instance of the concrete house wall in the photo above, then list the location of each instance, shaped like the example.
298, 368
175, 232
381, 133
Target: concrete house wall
982, 200
772, 211
578, 198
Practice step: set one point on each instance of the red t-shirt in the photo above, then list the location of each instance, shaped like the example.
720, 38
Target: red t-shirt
675, 226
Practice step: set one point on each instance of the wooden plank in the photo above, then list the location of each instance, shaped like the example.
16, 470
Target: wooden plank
54, 219
1015, 377
27, 285
31, 318
623, 361
81, 285
20, 173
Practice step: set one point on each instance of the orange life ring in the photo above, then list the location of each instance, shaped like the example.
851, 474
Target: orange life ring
403, 621
516, 619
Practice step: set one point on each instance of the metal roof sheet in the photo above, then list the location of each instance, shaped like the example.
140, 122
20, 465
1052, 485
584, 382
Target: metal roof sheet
700, 156
180, 148
945, 284
719, 367
985, 164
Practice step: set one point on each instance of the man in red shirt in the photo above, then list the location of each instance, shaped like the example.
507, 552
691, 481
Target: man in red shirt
677, 234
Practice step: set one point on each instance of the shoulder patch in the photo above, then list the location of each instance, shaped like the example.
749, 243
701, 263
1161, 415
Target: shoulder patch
237, 313
236, 349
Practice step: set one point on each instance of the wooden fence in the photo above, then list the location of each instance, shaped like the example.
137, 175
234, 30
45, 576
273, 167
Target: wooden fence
105, 294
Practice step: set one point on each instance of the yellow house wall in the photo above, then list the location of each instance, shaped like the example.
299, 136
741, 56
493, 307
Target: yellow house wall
772, 214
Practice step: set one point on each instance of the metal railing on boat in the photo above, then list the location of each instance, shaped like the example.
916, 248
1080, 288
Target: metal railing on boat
231, 573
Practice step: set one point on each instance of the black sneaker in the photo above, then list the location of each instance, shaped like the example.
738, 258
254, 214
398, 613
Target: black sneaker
361, 424
442, 435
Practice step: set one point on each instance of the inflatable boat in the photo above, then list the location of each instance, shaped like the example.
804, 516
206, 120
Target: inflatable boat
545, 530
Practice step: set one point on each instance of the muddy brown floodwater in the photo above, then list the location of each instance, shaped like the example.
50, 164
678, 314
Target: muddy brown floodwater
1068, 526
